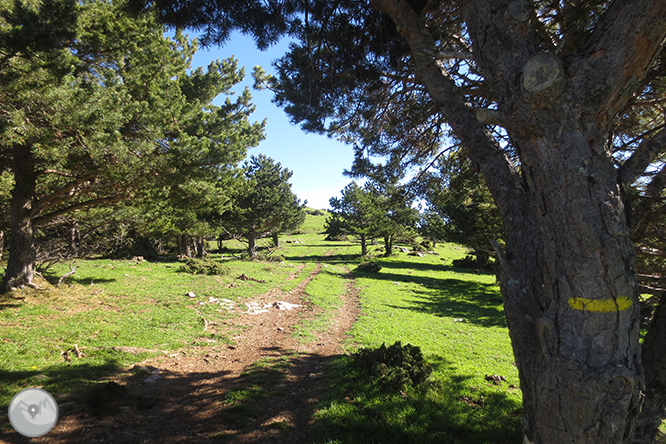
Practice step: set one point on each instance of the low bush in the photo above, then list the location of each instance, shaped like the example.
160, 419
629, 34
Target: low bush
337, 237
427, 245
419, 248
369, 266
473, 262
395, 367
203, 266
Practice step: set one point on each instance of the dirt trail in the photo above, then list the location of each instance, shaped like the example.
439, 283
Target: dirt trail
190, 402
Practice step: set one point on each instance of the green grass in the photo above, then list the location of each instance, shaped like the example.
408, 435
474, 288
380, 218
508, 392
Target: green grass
455, 316
324, 292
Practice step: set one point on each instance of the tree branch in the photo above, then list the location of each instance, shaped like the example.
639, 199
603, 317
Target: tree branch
503, 41
72, 270
58, 196
446, 55
77, 207
620, 52
645, 154
501, 176
646, 206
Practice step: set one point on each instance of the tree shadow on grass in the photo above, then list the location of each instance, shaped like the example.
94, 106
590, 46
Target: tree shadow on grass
65, 382
333, 259
411, 265
446, 410
460, 300
10, 301
273, 400
428, 266
90, 280
476, 302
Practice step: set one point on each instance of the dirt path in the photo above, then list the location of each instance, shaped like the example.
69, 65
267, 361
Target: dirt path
263, 388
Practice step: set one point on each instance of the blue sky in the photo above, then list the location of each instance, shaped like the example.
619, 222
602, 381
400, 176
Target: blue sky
316, 161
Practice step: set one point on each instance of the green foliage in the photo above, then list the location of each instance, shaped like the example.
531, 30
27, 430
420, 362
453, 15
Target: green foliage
374, 210
335, 228
395, 367
458, 196
418, 248
110, 110
473, 262
353, 212
427, 245
267, 256
431, 225
263, 203
204, 266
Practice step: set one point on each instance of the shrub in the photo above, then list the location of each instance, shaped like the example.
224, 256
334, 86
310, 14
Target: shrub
394, 368
337, 237
369, 266
466, 262
473, 262
419, 248
275, 258
203, 266
427, 245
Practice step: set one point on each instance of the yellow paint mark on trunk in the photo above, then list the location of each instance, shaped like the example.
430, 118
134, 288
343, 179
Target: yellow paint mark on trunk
601, 305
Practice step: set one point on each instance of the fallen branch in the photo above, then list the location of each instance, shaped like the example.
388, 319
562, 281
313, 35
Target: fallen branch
72, 269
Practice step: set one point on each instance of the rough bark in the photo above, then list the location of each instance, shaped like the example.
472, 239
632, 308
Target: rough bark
567, 273
654, 362
20, 269
276, 239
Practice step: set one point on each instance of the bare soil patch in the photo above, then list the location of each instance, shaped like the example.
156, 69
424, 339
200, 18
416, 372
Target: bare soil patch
263, 388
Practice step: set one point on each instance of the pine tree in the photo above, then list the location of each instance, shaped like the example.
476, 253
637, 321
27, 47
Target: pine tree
263, 204
106, 113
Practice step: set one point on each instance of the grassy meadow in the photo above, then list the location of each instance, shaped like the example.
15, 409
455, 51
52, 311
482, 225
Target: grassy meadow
454, 315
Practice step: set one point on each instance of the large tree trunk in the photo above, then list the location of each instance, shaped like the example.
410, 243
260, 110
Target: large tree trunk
567, 273
186, 246
364, 246
201, 247
586, 375
251, 245
388, 246
21, 264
